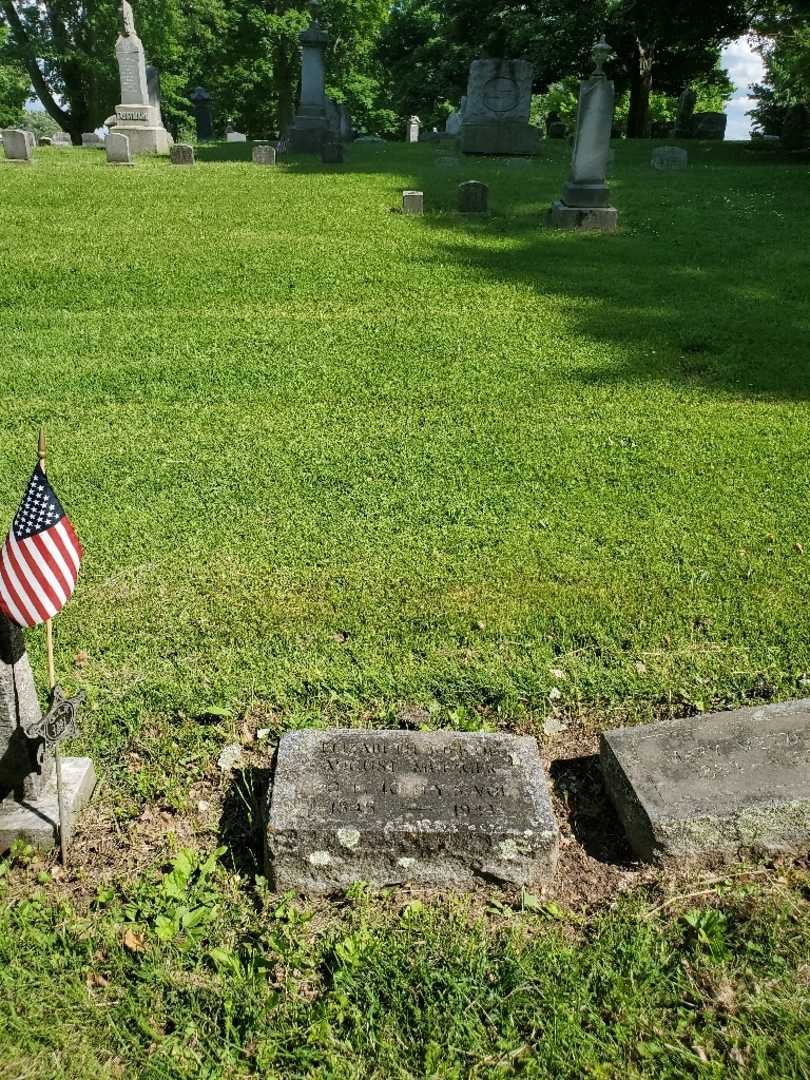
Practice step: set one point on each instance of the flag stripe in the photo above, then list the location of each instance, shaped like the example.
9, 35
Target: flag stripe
63, 537
58, 569
75, 543
52, 552
42, 573
33, 594
27, 610
9, 597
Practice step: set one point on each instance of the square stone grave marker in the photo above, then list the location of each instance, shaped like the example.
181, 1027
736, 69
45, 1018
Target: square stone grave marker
440, 808
716, 786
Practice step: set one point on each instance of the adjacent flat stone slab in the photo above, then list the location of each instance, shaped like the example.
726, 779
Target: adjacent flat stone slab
716, 786
441, 808
36, 820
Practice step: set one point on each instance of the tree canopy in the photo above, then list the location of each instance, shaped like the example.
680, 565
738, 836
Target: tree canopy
385, 61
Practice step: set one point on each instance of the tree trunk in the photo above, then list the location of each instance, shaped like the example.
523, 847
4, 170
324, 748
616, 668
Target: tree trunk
285, 79
638, 115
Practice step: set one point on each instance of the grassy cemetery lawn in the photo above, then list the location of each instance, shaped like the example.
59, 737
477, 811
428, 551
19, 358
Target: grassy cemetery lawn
329, 462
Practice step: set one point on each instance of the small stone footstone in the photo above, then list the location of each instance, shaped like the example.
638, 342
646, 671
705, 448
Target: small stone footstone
438, 808
181, 154
412, 202
472, 197
714, 787
264, 154
118, 151
36, 821
669, 157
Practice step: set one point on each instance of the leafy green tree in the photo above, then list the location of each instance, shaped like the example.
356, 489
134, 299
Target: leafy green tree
14, 85
782, 33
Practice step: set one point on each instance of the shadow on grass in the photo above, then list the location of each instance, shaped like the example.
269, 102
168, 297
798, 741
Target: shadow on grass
579, 788
241, 822
705, 283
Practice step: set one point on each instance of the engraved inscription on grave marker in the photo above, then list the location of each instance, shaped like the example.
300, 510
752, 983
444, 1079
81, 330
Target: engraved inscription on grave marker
434, 807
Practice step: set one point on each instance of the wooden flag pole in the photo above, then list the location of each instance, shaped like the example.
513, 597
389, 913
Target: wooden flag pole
51, 684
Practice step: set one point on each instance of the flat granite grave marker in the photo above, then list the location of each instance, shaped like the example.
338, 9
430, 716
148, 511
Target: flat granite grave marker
441, 808
716, 786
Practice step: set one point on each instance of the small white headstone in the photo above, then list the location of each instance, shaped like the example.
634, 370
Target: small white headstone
118, 152
412, 130
18, 145
235, 136
412, 202
264, 154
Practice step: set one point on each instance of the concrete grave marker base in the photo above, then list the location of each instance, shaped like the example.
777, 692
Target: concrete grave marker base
714, 787
601, 218
36, 820
440, 808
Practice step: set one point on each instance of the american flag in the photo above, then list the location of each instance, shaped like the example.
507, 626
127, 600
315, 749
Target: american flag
39, 561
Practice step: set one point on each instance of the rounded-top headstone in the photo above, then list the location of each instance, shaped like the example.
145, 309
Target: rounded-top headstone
17, 145
264, 154
472, 197
118, 149
181, 154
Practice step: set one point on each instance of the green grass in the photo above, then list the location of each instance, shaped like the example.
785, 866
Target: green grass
383, 991
326, 460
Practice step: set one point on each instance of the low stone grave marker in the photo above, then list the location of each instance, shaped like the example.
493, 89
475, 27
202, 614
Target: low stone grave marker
441, 808
118, 150
90, 139
235, 136
264, 154
716, 786
413, 202
331, 152
669, 157
472, 197
181, 154
29, 809
18, 146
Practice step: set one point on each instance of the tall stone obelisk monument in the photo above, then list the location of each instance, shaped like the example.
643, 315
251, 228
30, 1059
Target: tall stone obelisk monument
136, 117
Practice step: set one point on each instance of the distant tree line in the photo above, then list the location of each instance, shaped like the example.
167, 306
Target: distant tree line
387, 61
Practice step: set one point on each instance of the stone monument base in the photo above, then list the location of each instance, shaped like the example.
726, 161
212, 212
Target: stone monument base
596, 218
36, 821
309, 129
512, 137
144, 128
437, 808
